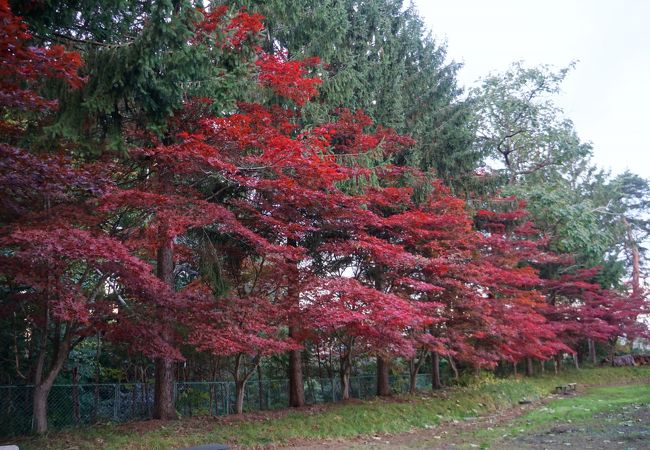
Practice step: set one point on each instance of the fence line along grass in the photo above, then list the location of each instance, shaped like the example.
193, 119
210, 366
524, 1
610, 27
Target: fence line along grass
75, 405
342, 420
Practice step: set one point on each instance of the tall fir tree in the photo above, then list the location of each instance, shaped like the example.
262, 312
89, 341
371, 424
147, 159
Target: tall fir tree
378, 56
142, 60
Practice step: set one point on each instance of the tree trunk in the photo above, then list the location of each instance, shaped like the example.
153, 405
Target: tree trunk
414, 369
634, 250
383, 383
592, 351
558, 363
345, 385
529, 367
636, 271
413, 381
452, 364
296, 383
241, 377
575, 360
514, 368
345, 368
164, 408
436, 382
612, 350
40, 394
43, 387
239, 392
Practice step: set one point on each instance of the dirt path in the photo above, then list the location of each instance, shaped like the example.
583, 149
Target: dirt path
450, 434
625, 427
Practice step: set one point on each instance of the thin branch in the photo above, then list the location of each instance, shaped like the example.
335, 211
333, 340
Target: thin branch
90, 41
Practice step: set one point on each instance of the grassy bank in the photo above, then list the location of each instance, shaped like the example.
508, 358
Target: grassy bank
343, 420
615, 415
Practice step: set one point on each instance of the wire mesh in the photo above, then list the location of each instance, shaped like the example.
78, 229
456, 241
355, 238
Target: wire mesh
72, 405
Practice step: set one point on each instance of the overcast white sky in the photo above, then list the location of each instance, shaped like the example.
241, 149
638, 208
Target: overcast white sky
607, 95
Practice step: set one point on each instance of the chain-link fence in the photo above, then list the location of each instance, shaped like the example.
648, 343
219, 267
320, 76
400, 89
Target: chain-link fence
82, 404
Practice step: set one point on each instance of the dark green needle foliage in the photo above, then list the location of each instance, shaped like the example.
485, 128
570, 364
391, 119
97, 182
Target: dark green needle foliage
140, 61
378, 56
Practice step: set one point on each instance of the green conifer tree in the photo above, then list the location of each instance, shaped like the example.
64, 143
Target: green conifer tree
141, 63
378, 56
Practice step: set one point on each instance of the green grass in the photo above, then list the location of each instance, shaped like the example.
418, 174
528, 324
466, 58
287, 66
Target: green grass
595, 401
581, 411
482, 396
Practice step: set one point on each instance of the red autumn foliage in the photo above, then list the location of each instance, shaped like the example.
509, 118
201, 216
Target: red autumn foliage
23, 67
286, 78
385, 268
583, 309
216, 27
